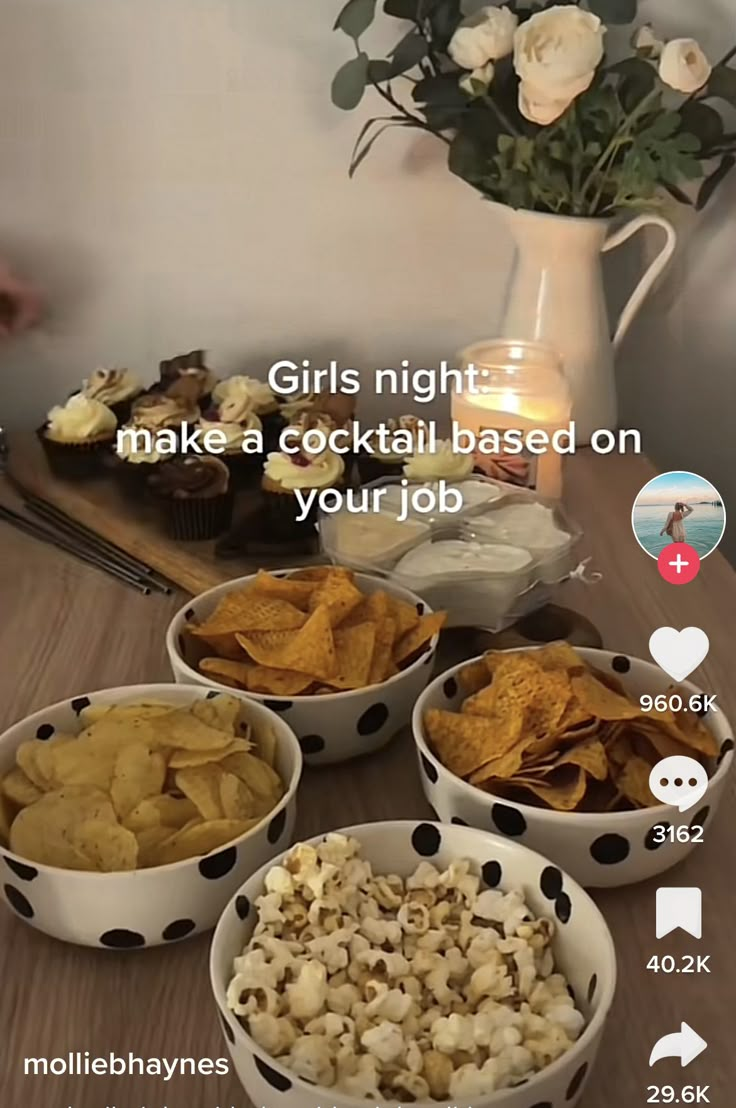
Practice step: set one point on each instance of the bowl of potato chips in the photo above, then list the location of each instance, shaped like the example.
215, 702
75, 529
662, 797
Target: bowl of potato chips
129, 816
554, 746
341, 656
443, 966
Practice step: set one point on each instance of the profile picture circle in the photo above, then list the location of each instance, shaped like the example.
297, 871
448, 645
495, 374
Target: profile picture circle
678, 507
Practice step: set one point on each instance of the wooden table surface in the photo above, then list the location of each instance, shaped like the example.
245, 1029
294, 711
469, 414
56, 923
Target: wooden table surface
66, 629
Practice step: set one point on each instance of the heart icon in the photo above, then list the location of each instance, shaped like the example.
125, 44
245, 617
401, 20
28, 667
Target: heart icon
678, 653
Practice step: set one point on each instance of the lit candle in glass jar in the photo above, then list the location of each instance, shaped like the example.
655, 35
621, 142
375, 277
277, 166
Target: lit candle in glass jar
519, 386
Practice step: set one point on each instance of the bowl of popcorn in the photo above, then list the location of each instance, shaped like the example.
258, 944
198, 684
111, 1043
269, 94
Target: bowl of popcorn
408, 962
554, 747
341, 656
129, 816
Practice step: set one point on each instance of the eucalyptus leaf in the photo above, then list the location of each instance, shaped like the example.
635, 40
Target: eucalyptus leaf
717, 178
722, 84
356, 17
402, 9
379, 70
349, 83
409, 53
614, 11
704, 122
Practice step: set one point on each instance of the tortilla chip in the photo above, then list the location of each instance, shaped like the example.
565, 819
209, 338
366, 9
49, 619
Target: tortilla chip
563, 790
310, 650
382, 660
633, 782
474, 677
277, 682
417, 640
464, 743
354, 648
337, 595
600, 701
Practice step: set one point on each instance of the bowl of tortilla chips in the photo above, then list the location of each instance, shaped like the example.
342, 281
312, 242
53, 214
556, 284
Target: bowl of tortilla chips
551, 746
129, 816
341, 656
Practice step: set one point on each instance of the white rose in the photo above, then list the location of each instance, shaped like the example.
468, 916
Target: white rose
645, 42
556, 54
485, 36
683, 65
476, 83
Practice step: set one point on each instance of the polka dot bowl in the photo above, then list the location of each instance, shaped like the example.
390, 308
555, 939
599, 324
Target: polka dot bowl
583, 951
147, 907
331, 728
601, 850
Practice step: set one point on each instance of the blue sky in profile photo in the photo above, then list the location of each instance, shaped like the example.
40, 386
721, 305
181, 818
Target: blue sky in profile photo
677, 486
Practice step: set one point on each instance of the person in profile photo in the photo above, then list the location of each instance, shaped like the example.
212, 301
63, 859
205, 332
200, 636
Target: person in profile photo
675, 526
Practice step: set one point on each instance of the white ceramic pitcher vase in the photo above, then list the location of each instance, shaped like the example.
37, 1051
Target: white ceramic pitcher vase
555, 295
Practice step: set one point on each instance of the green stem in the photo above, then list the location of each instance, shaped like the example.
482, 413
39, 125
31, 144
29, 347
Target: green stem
417, 120
621, 136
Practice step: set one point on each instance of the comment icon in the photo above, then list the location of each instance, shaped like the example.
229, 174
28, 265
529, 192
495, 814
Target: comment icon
679, 781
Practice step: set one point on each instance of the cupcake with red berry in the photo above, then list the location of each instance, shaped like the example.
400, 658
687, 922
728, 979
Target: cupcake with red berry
285, 476
239, 437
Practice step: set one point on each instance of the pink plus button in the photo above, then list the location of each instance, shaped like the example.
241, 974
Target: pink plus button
679, 563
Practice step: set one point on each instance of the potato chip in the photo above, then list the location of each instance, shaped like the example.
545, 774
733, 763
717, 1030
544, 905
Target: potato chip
263, 781
222, 712
198, 839
184, 759
171, 812
150, 840
93, 713
109, 847
419, 637
266, 745
139, 773
42, 832
27, 757
19, 789
236, 799
310, 650
5, 818
182, 730
202, 785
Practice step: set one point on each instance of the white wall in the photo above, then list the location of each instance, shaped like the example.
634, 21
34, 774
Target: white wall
173, 173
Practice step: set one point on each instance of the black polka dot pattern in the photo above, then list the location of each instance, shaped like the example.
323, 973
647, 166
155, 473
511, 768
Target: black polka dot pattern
279, 705
621, 664
426, 839
189, 614
702, 712
45, 731
278, 1081
18, 902
373, 719
21, 869
509, 821
121, 939
700, 819
430, 771
543, 1104
242, 907
654, 838
79, 703
229, 1033
725, 749
563, 908
592, 986
577, 1082
215, 866
492, 874
459, 822
420, 609
610, 850
179, 929
450, 688
312, 744
276, 827
212, 695
551, 882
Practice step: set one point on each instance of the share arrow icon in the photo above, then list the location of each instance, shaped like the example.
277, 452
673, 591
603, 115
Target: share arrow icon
684, 1044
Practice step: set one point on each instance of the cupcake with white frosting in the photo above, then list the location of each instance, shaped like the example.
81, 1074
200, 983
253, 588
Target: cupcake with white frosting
116, 388
286, 474
391, 449
237, 424
77, 435
439, 464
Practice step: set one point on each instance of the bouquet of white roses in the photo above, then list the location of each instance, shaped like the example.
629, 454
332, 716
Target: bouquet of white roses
532, 111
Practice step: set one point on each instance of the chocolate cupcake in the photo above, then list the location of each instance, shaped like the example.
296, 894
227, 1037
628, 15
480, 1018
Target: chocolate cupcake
286, 474
258, 397
134, 461
117, 388
390, 449
195, 497
77, 437
155, 411
187, 378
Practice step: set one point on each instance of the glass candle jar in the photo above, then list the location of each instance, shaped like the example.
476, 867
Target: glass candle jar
518, 386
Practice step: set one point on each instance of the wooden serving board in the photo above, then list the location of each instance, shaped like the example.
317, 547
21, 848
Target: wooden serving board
99, 505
